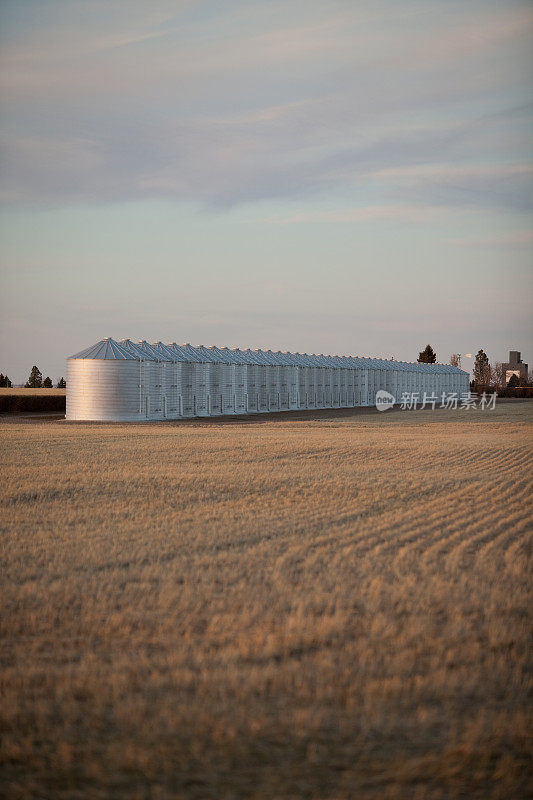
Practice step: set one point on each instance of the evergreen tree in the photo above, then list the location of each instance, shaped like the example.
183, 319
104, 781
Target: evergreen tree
35, 381
61, 384
513, 382
482, 370
427, 356
47, 383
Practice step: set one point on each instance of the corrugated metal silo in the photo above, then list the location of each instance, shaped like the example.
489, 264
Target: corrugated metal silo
127, 381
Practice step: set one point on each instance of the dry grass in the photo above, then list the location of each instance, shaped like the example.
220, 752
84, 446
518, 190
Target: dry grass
296, 608
32, 392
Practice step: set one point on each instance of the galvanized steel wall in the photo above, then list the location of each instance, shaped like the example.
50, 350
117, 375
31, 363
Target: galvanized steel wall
105, 390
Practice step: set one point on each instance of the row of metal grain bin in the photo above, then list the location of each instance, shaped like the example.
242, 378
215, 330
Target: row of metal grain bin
137, 381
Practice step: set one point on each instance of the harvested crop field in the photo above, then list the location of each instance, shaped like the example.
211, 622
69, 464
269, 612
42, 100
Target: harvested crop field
320, 606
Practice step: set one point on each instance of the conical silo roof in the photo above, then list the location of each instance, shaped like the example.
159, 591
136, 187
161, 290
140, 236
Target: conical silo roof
106, 350
110, 350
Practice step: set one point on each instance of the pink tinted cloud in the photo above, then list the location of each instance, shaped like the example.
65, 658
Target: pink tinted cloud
405, 213
522, 238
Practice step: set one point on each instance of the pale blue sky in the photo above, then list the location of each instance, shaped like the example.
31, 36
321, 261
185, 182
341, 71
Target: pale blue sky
341, 177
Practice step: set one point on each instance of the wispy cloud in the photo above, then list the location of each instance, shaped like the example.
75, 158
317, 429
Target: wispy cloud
403, 213
228, 104
504, 240
454, 172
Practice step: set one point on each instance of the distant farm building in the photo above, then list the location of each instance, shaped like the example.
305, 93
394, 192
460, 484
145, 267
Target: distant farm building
137, 381
515, 366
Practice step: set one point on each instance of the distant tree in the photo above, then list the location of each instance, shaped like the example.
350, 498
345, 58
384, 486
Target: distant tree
514, 381
427, 356
455, 360
5, 383
61, 384
35, 381
47, 383
482, 370
497, 376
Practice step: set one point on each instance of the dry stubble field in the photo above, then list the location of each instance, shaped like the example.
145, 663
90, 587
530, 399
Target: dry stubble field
332, 606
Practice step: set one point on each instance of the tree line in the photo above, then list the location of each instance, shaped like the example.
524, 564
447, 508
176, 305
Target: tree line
487, 377
35, 381
493, 378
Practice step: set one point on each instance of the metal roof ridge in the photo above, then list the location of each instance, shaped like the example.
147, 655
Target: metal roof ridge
111, 349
